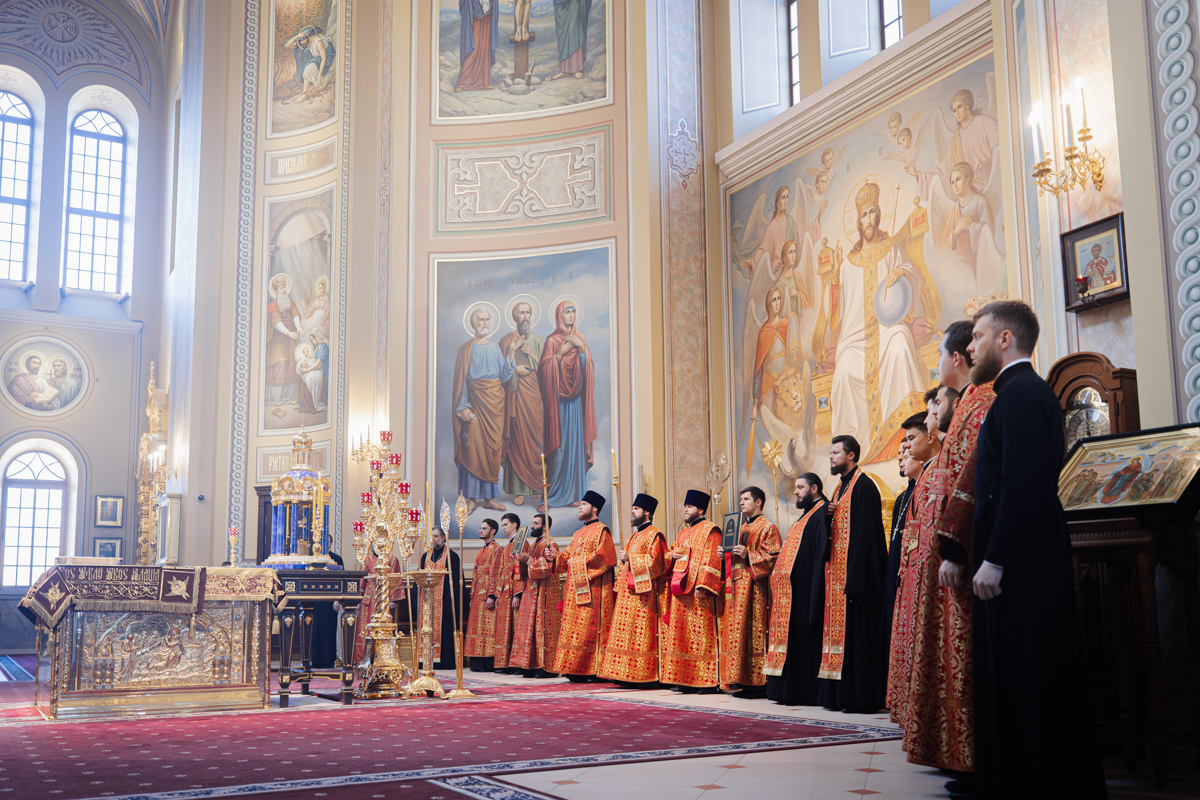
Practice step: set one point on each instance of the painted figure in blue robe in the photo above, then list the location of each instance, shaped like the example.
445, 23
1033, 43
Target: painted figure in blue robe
480, 372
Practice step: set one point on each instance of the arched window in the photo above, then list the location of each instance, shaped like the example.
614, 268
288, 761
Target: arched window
95, 197
32, 522
16, 159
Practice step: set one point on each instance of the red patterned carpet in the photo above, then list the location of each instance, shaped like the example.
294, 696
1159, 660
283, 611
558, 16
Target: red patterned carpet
375, 750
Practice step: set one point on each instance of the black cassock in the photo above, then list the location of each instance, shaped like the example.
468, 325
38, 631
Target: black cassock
863, 685
797, 686
1034, 732
891, 577
446, 661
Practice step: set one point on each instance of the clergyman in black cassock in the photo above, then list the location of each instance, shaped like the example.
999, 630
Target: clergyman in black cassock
862, 687
890, 578
450, 583
1034, 732
797, 685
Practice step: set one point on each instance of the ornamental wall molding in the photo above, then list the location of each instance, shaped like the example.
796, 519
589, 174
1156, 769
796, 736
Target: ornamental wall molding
67, 37
1175, 94
524, 183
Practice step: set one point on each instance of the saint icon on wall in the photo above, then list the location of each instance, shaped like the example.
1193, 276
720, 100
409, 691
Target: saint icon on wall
44, 375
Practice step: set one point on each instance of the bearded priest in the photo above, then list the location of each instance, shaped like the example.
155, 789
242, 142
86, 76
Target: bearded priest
689, 629
587, 613
798, 601
632, 653
747, 597
853, 655
535, 637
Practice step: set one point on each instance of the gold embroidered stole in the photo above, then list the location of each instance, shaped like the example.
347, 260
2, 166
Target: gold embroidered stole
834, 640
588, 538
781, 595
640, 559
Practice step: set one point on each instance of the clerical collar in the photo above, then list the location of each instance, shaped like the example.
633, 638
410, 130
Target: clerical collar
645, 525
751, 520
1013, 364
847, 476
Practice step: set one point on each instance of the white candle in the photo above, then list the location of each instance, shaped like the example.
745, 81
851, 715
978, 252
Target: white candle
1070, 128
1035, 122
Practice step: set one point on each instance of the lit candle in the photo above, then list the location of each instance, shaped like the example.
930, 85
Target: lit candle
1070, 127
428, 532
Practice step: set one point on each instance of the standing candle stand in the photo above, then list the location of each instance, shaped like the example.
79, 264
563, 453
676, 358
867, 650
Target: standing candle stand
426, 578
459, 692
387, 525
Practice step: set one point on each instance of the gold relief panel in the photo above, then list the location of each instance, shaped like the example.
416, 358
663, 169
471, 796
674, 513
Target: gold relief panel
136, 650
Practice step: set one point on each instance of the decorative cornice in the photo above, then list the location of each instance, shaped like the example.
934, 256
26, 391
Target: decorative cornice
963, 32
1175, 92
49, 319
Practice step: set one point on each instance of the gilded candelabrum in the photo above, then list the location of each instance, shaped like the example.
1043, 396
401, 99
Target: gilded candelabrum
426, 578
718, 476
1083, 163
459, 692
387, 525
159, 473
147, 510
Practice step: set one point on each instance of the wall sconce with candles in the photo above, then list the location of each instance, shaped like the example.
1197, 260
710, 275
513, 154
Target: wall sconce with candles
1083, 163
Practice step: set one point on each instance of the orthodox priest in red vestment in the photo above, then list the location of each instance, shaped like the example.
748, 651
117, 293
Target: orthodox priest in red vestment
689, 628
632, 653
852, 676
480, 642
797, 602
535, 637
747, 598
939, 728
510, 583
588, 598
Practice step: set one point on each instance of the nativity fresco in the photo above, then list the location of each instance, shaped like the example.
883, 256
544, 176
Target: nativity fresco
522, 366
297, 345
847, 262
520, 57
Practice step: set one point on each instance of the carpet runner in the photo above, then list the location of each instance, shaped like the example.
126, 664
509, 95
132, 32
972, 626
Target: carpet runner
17, 668
382, 746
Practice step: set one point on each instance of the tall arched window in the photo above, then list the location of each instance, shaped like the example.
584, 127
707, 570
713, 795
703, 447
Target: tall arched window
16, 157
32, 522
95, 197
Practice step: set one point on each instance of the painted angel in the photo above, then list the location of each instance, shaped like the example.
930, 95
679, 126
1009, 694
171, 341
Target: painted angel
905, 142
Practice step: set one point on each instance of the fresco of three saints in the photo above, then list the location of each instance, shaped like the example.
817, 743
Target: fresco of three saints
523, 370
849, 261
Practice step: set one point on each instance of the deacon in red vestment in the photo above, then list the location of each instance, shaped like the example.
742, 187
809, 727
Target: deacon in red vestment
797, 602
535, 638
747, 598
852, 676
367, 607
480, 644
588, 599
689, 632
510, 582
632, 653
939, 728
920, 434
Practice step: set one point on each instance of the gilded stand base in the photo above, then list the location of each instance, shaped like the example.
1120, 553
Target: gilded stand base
459, 693
382, 672
426, 578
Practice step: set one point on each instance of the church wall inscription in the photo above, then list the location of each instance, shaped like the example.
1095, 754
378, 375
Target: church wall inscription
522, 364
846, 262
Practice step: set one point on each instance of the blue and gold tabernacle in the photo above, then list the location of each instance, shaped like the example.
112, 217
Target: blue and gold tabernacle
300, 533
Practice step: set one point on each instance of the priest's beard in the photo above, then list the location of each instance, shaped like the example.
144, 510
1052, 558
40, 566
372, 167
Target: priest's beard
987, 367
807, 503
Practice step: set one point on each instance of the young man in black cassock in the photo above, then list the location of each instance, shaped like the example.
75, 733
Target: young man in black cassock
899, 512
1034, 732
443, 555
794, 682
853, 672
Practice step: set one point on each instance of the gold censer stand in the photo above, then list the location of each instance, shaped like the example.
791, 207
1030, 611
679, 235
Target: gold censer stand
427, 682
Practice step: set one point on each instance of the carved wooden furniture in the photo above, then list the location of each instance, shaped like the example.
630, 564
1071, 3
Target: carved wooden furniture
1136, 511
1112, 398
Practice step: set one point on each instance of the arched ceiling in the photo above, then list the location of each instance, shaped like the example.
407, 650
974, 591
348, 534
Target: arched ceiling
155, 14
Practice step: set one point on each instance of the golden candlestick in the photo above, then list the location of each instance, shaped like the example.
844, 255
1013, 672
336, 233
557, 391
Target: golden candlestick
427, 682
772, 456
617, 502
459, 692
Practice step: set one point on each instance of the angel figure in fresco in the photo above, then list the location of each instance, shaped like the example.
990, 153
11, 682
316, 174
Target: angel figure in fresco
972, 138
905, 141
770, 232
970, 228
